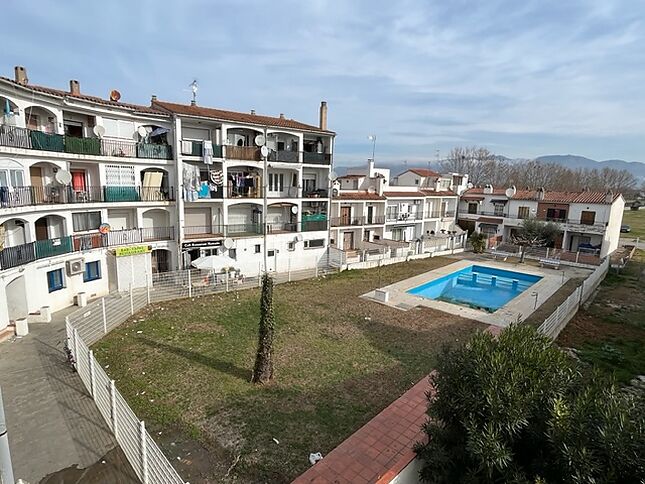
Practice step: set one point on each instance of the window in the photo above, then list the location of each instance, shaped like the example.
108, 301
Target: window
291, 246
118, 128
472, 207
270, 253
499, 209
416, 181
587, 218
314, 243
13, 178
556, 214
82, 221
366, 236
120, 175
258, 248
232, 253
55, 280
309, 184
276, 182
523, 212
92, 271
398, 234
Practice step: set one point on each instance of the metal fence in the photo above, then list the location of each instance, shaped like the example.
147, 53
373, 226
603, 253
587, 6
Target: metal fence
88, 325
555, 323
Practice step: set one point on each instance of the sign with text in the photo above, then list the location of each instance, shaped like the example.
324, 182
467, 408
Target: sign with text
134, 250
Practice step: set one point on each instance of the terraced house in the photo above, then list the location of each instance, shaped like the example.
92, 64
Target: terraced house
99, 195
589, 221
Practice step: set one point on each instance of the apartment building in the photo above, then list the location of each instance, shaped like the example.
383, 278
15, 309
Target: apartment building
98, 195
412, 211
590, 221
253, 187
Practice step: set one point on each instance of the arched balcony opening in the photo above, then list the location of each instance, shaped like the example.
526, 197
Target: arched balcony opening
282, 217
244, 219
284, 147
155, 185
240, 144
14, 232
40, 119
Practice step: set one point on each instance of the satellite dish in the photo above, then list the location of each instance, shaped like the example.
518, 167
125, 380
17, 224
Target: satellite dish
143, 132
470, 185
510, 192
299, 238
259, 140
115, 95
334, 192
264, 151
294, 209
104, 228
63, 177
99, 131
371, 190
228, 243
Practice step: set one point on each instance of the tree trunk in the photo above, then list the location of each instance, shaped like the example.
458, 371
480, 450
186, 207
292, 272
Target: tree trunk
522, 253
263, 370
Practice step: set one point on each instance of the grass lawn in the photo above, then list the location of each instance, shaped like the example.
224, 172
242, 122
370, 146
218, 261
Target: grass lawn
610, 334
184, 367
636, 220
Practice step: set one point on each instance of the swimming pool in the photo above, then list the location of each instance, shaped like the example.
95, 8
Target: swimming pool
477, 286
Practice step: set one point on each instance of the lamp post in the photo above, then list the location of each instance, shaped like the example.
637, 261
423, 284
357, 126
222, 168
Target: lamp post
372, 138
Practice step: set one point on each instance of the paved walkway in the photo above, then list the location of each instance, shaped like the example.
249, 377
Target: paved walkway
53, 424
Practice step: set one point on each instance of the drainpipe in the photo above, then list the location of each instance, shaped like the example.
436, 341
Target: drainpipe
6, 471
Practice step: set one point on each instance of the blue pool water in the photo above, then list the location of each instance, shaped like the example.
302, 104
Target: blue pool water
477, 286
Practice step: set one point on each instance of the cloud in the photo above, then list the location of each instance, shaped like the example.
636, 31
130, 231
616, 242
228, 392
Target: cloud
423, 75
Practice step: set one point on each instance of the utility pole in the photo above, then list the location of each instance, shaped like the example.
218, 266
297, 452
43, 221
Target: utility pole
264, 200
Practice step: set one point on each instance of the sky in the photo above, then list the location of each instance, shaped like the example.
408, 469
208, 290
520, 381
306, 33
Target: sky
520, 78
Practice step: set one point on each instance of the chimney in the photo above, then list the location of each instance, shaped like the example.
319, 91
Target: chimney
153, 98
540, 193
609, 196
281, 115
193, 102
323, 115
253, 112
488, 189
21, 75
74, 88
370, 168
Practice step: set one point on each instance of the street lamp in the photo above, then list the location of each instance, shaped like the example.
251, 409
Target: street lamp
372, 138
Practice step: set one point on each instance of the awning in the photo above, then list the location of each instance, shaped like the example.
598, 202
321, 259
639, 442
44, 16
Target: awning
472, 199
488, 220
499, 200
158, 131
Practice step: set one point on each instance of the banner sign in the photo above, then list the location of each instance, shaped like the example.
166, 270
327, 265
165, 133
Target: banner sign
134, 250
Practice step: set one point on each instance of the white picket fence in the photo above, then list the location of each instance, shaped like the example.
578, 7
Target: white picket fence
555, 323
88, 325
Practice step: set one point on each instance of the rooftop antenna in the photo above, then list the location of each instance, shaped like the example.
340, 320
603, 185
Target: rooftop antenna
194, 87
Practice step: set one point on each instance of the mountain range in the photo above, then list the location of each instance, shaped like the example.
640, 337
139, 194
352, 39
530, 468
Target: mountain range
571, 161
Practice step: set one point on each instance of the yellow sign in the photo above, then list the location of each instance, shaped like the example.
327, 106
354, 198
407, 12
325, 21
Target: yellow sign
134, 250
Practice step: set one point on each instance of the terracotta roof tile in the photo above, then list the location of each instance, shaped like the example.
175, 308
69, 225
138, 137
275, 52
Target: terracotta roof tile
352, 176
480, 191
220, 114
359, 196
85, 97
423, 172
549, 196
417, 194
381, 448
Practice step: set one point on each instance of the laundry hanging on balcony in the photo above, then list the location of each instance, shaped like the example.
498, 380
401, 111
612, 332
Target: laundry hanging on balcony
207, 146
191, 182
217, 177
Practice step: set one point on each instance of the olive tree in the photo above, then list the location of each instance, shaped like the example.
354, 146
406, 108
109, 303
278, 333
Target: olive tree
534, 233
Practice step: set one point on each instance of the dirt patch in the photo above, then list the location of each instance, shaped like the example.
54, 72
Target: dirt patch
113, 468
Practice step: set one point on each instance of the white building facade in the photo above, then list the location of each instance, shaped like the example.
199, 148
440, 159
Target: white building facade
589, 221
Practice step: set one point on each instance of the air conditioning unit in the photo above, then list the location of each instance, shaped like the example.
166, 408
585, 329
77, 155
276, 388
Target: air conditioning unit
75, 266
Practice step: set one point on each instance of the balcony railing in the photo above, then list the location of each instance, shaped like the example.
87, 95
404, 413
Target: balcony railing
251, 153
313, 225
285, 156
279, 227
316, 158
349, 221
55, 195
251, 229
254, 191
41, 249
403, 216
317, 193
16, 137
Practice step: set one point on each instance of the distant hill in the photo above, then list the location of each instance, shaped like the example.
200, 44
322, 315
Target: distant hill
571, 161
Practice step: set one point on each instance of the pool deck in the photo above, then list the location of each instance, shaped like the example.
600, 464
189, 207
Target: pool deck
519, 307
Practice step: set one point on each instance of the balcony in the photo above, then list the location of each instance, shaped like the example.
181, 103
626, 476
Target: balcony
41, 249
58, 195
15, 137
403, 216
254, 191
317, 193
316, 158
281, 227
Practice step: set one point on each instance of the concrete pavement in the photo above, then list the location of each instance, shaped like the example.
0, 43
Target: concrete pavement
53, 424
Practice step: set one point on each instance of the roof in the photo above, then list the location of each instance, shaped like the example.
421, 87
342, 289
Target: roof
472, 198
584, 196
419, 194
220, 114
380, 449
422, 172
351, 176
359, 196
85, 97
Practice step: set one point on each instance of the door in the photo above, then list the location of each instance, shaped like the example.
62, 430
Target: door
587, 218
345, 215
370, 215
41, 229
348, 240
78, 181
160, 260
36, 179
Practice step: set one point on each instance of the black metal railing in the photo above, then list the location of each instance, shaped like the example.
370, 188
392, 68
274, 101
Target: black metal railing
348, 221
41, 249
285, 156
313, 225
15, 137
316, 158
54, 195
317, 193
